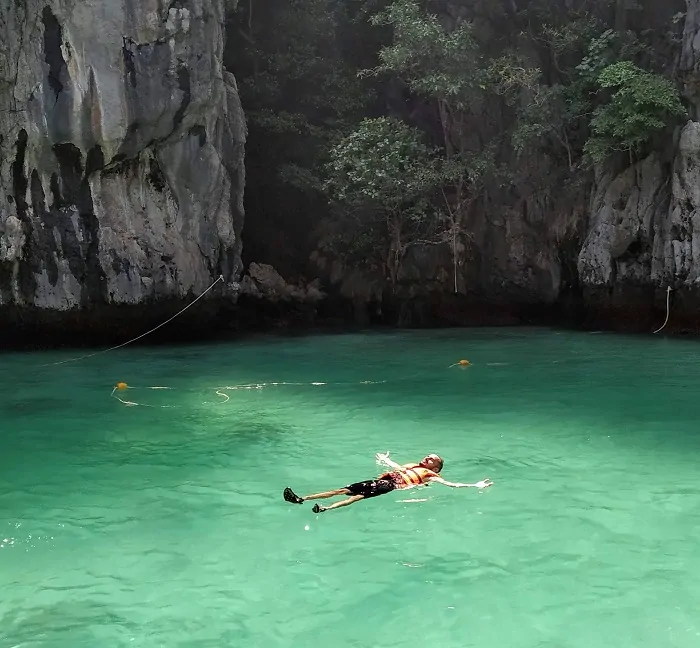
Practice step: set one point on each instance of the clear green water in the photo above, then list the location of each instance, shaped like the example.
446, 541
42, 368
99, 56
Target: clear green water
163, 524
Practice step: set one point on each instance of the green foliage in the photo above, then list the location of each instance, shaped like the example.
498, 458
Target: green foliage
539, 116
507, 75
445, 64
601, 53
568, 37
642, 103
383, 163
385, 179
555, 110
433, 61
381, 178
466, 168
601, 104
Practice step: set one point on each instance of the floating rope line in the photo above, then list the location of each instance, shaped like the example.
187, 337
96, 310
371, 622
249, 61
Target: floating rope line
668, 309
221, 390
121, 386
143, 335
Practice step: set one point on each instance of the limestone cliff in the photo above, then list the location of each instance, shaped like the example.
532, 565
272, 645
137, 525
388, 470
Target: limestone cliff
643, 232
121, 155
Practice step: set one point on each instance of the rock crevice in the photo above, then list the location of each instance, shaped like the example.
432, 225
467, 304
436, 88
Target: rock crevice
121, 155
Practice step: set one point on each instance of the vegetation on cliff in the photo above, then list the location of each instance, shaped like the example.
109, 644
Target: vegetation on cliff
391, 121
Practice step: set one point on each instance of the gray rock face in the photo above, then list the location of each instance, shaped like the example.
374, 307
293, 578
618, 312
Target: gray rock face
264, 282
626, 211
677, 243
644, 237
519, 258
645, 225
121, 153
689, 64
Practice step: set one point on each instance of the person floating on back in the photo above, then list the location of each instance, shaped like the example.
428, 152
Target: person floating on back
400, 477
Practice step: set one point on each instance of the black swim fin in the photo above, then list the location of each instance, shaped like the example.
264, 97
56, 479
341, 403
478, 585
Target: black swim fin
291, 497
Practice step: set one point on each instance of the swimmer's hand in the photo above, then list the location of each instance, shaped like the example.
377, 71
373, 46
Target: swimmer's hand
484, 483
383, 459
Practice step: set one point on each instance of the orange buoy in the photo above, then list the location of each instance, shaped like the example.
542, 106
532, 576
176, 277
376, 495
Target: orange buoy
463, 363
121, 385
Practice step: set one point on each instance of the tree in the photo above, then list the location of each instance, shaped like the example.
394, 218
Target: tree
554, 114
604, 94
447, 67
642, 103
383, 175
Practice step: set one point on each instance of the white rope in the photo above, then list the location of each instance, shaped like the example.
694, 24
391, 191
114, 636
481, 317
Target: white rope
668, 303
119, 346
222, 389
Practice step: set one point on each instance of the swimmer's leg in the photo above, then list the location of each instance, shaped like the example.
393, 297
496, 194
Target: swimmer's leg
290, 496
345, 502
358, 491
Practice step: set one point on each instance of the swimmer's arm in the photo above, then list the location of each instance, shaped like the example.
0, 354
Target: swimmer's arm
484, 483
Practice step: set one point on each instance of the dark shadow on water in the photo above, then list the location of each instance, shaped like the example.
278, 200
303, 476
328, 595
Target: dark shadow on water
64, 622
190, 450
31, 406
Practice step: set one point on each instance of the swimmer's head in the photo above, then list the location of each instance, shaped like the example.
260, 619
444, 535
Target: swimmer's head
433, 462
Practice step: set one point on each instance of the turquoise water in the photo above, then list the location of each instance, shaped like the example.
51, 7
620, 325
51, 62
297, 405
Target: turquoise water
162, 523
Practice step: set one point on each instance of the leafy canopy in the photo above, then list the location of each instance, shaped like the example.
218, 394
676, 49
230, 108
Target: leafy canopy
433, 61
383, 163
641, 104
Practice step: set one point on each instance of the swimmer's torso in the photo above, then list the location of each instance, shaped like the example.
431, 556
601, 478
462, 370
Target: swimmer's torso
409, 475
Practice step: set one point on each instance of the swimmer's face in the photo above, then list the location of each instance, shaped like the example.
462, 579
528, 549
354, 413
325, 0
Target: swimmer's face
432, 462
